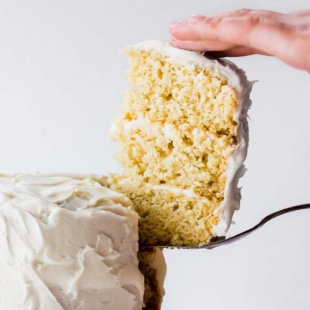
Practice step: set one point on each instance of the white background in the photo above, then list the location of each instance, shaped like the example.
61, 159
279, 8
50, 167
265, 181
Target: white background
61, 78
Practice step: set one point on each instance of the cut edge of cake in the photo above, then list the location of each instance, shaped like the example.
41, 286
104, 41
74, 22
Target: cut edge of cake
234, 79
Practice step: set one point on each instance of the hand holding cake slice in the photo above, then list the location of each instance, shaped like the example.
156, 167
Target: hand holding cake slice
182, 139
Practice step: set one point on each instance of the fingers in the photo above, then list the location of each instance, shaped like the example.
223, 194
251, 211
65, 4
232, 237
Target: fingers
257, 31
304, 13
249, 12
236, 52
196, 27
182, 30
202, 45
246, 32
217, 49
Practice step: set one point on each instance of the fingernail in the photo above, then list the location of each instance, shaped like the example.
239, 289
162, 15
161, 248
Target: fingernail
178, 24
174, 43
196, 19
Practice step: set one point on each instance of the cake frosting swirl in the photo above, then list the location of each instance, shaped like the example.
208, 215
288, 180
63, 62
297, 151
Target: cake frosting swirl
67, 242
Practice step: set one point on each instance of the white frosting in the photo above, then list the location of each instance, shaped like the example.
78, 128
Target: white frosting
67, 243
238, 81
220, 67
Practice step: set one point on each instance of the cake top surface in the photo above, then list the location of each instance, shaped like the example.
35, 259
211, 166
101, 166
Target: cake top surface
69, 191
67, 243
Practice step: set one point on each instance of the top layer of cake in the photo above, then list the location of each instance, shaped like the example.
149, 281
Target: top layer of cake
67, 243
183, 139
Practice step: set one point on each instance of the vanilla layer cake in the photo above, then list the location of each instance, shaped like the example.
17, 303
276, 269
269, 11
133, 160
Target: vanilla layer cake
182, 138
69, 242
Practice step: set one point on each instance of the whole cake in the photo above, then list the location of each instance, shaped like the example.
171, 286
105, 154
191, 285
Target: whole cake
69, 242
182, 138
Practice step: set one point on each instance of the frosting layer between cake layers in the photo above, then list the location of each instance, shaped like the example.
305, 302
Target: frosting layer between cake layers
67, 242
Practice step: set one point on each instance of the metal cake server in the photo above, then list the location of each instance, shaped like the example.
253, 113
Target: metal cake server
219, 241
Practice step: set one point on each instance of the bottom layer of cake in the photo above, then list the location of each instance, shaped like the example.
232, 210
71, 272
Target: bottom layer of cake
167, 217
153, 267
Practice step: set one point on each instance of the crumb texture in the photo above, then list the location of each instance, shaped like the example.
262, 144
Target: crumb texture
175, 134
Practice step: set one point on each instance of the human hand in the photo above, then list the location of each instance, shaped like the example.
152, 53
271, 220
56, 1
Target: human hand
246, 32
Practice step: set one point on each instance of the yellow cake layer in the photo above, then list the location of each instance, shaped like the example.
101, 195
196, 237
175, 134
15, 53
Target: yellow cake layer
166, 90
164, 154
176, 133
167, 218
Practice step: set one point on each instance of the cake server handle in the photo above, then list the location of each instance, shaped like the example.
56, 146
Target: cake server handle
219, 241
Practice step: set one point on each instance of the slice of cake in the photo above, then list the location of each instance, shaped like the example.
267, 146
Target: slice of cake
182, 138
69, 242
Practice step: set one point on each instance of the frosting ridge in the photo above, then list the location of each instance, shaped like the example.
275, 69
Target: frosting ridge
67, 243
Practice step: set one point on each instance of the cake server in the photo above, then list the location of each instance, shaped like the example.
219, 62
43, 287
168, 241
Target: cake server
219, 241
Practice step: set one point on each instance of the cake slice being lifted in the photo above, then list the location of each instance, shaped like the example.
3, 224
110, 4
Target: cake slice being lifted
182, 138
